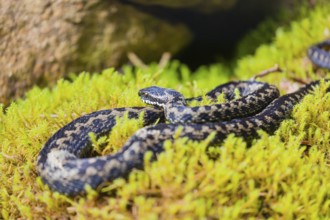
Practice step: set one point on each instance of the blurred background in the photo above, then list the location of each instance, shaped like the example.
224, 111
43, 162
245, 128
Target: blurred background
43, 41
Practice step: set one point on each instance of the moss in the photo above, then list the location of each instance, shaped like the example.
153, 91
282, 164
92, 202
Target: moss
288, 48
264, 33
285, 175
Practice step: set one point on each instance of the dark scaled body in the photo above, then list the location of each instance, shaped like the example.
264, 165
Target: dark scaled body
255, 96
62, 163
319, 54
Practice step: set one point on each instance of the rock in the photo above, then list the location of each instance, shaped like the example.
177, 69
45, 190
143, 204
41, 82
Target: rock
43, 40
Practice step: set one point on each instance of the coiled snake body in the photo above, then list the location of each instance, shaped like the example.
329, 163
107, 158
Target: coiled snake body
319, 54
62, 162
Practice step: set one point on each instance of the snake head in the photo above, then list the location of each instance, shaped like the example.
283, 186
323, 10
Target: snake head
158, 96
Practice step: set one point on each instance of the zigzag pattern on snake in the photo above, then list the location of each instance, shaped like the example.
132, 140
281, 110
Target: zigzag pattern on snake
319, 54
62, 162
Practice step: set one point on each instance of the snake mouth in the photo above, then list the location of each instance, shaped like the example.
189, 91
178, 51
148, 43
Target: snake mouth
154, 103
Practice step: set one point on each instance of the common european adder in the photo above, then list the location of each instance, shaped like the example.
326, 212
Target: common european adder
64, 163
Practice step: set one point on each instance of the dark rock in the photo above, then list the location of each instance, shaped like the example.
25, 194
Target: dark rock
41, 41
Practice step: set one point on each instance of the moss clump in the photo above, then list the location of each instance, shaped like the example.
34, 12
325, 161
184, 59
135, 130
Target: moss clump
285, 175
288, 48
264, 33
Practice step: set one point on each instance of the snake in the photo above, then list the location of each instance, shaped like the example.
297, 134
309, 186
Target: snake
319, 54
67, 164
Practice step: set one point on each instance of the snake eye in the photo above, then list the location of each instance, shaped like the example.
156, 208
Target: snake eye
141, 93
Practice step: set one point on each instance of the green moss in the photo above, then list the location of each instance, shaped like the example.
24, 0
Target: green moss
285, 175
288, 48
264, 33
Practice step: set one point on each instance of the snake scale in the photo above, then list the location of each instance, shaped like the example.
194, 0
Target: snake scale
65, 165
319, 54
